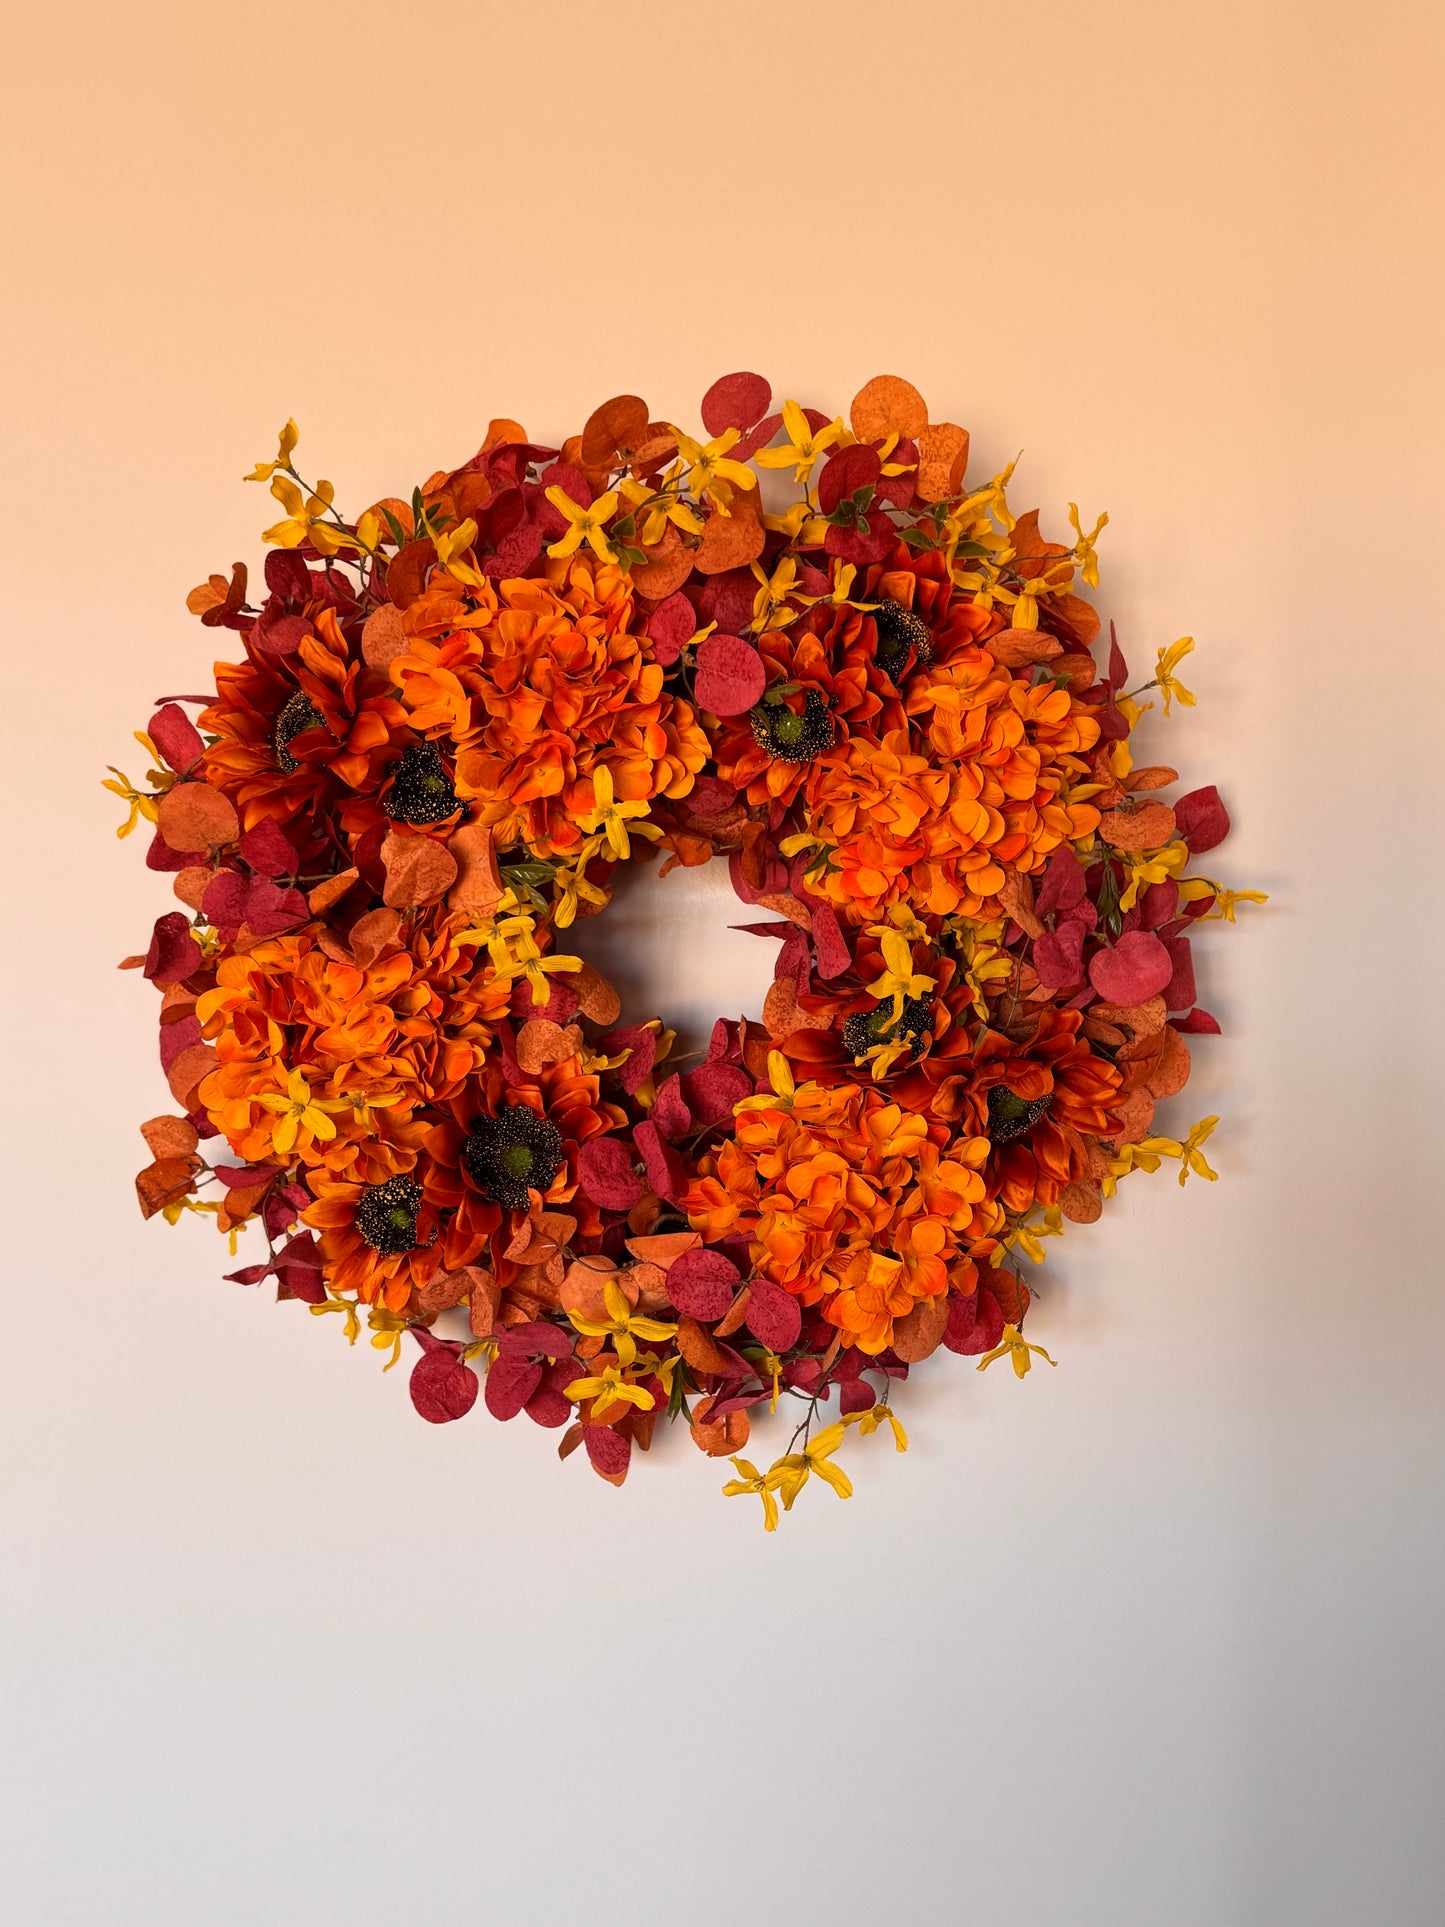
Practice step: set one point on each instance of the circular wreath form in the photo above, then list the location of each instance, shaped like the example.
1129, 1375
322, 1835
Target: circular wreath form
454, 718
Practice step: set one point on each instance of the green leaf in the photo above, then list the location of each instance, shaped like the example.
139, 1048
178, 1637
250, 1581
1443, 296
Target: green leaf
398, 534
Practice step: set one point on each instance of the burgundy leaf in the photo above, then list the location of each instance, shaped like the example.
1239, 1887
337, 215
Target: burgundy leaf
443, 1387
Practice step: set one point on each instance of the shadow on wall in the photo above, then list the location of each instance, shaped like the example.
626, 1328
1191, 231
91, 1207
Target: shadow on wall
667, 945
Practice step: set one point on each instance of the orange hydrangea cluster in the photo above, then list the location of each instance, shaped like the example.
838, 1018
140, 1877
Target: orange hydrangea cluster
851, 1203
804, 646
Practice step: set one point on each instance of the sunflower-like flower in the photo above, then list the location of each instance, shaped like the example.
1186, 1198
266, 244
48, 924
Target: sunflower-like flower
301, 733
501, 1147
1036, 1098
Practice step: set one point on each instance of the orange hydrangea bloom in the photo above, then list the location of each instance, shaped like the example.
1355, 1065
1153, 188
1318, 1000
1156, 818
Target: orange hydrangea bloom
542, 682
380, 1041
848, 1202
936, 829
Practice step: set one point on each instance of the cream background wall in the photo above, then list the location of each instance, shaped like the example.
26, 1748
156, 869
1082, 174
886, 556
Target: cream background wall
1154, 1638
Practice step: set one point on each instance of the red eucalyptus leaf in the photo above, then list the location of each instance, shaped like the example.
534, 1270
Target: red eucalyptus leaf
268, 850
605, 1174
510, 1383
1135, 969
1201, 819
975, 1323
609, 1451
731, 677
666, 1172
176, 737
174, 953
443, 1387
774, 1316
735, 401
713, 1089
701, 1283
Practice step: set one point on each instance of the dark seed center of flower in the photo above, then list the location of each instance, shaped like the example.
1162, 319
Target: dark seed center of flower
300, 713
1011, 1116
867, 1028
386, 1215
421, 790
789, 737
511, 1154
900, 632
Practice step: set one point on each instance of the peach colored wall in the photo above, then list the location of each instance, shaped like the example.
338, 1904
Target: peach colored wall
1152, 1639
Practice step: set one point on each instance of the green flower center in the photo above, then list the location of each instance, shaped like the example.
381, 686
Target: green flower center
1011, 1116
512, 1154
386, 1215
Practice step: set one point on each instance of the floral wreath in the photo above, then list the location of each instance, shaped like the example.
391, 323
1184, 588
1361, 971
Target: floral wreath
456, 717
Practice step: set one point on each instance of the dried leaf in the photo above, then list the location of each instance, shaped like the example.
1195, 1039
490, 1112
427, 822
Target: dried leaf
595, 996
192, 817
372, 934
383, 636
1081, 1203
418, 870
702, 1351
614, 428
1142, 826
888, 405
1014, 647
667, 567
918, 1335
942, 460
331, 891
541, 1042
730, 541
719, 1438
170, 1137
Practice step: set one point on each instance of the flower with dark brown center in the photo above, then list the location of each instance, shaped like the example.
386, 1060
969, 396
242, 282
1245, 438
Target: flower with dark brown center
299, 714
512, 1154
901, 633
866, 1029
1011, 1116
386, 1215
789, 737
421, 790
